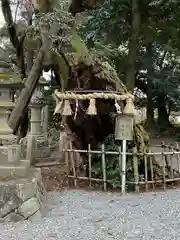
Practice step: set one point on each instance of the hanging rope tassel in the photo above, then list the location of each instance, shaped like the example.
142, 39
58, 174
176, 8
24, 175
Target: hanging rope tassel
129, 108
92, 110
76, 109
118, 107
67, 109
58, 108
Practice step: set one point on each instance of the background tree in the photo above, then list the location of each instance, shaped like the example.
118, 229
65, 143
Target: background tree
142, 53
157, 37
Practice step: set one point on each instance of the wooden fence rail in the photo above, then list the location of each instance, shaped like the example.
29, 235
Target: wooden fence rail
166, 157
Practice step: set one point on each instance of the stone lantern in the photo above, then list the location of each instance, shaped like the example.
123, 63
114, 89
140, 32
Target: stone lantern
9, 92
6, 106
23, 195
37, 143
36, 105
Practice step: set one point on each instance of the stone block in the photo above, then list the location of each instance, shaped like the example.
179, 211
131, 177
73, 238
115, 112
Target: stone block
40, 195
9, 206
36, 217
37, 147
38, 177
8, 199
31, 149
3, 154
2, 220
37, 174
26, 191
43, 149
13, 217
29, 207
9, 171
14, 153
21, 198
42, 199
6, 191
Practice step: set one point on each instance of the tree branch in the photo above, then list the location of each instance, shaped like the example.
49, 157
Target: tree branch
15, 118
6, 10
17, 44
162, 59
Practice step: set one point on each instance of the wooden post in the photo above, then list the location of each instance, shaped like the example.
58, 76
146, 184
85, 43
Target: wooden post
136, 172
164, 167
104, 167
73, 165
89, 160
67, 163
120, 162
171, 161
146, 171
178, 157
123, 176
124, 132
152, 171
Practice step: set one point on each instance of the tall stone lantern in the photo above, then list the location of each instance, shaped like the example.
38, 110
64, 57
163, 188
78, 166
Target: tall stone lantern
6, 106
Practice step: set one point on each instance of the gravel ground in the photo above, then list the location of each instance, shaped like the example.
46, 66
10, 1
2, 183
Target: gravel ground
96, 215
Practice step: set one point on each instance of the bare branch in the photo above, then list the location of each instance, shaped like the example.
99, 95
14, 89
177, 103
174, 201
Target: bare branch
17, 44
17, 6
7, 13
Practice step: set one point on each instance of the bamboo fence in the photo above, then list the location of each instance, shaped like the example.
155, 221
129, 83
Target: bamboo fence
166, 156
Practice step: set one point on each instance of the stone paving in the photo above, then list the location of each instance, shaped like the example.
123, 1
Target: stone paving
85, 215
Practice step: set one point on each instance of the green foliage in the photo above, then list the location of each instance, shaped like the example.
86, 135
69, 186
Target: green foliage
107, 32
108, 29
106, 22
57, 21
113, 164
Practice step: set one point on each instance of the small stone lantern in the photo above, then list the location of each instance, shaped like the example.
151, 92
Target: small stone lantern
36, 105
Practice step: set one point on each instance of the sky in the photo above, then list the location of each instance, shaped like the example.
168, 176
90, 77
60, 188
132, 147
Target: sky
1, 18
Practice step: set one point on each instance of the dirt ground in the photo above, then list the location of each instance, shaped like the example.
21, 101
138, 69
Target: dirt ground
54, 178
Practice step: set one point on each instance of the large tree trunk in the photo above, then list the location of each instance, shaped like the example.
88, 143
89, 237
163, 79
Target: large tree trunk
150, 110
163, 116
133, 45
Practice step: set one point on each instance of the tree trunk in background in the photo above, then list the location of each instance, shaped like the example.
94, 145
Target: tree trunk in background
163, 116
133, 46
150, 110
